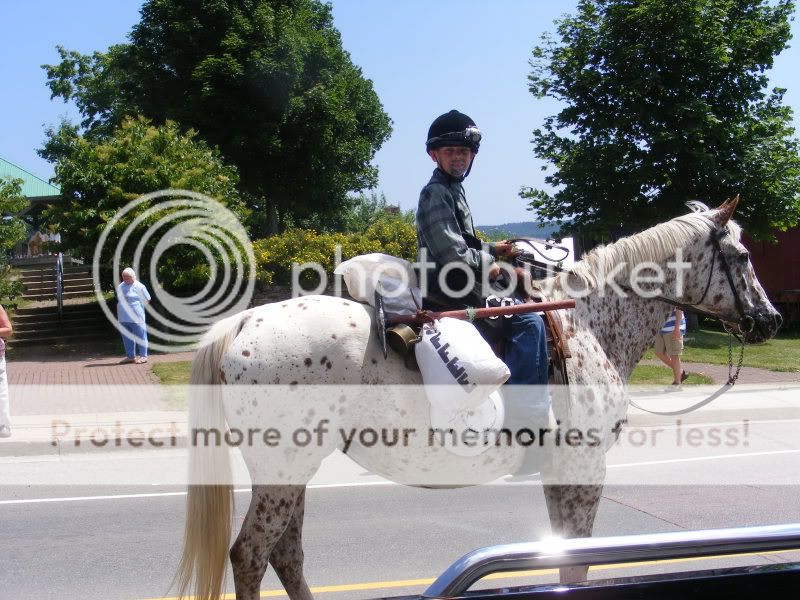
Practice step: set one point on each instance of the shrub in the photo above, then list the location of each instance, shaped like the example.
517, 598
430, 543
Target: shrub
275, 255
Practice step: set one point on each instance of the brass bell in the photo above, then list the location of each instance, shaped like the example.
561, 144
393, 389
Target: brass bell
401, 338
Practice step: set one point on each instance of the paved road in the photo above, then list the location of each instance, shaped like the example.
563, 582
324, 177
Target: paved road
65, 542
123, 543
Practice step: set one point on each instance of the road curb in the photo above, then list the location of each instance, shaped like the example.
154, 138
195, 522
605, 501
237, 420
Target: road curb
11, 448
64, 435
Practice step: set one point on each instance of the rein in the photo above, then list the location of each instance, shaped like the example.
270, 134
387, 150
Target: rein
732, 377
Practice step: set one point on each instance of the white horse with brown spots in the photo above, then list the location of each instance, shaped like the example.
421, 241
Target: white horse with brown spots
291, 346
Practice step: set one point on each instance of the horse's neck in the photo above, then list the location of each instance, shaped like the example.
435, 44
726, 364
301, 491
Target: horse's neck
623, 327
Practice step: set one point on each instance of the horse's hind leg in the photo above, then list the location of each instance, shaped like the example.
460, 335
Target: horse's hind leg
272, 509
287, 556
572, 509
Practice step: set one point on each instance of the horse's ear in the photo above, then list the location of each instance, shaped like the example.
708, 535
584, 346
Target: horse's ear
725, 211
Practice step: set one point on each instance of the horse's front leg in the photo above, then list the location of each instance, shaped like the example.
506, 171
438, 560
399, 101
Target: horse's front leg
272, 510
572, 509
573, 485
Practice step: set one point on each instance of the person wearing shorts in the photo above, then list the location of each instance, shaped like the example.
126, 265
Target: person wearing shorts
669, 345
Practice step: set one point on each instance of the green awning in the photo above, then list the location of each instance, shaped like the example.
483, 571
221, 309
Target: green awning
32, 187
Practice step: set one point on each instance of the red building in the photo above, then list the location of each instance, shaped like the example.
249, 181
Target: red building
778, 269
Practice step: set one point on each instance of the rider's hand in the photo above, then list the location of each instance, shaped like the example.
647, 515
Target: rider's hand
505, 249
494, 271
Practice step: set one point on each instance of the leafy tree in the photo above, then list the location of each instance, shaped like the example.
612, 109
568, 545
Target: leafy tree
357, 214
665, 102
99, 177
267, 81
12, 203
12, 231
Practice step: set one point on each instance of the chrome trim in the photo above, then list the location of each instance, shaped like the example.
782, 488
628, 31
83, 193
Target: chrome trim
546, 554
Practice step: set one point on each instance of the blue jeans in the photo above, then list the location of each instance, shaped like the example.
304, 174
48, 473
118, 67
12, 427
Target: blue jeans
526, 350
140, 331
526, 357
527, 400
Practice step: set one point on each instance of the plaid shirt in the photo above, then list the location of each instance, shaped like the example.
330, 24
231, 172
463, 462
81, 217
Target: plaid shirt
443, 222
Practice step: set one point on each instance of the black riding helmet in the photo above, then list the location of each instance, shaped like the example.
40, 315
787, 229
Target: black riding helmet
453, 129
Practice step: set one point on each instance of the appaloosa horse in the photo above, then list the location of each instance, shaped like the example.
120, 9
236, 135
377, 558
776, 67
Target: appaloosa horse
291, 346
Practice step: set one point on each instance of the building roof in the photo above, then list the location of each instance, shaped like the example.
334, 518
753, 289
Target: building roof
32, 186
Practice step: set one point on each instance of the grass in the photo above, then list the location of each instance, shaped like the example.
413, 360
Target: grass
177, 373
174, 375
705, 346
658, 375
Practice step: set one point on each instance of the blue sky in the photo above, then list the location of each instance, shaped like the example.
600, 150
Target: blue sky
424, 58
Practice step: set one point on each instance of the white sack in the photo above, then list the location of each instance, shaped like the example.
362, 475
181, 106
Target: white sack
459, 368
468, 431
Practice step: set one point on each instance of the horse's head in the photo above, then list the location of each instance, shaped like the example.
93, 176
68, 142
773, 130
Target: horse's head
722, 282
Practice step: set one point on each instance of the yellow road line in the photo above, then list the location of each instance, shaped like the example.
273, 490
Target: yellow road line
378, 585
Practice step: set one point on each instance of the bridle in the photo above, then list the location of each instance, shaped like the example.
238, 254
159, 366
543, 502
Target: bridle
746, 323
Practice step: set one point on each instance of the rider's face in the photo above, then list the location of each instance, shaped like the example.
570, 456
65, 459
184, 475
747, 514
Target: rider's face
453, 160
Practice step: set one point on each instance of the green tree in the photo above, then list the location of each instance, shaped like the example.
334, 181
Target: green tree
267, 81
99, 177
665, 102
12, 231
357, 214
12, 203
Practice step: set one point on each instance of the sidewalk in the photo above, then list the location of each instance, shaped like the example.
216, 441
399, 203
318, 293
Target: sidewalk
719, 373
125, 408
123, 402
85, 368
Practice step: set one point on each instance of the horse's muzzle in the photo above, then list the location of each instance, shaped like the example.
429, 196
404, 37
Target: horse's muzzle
759, 327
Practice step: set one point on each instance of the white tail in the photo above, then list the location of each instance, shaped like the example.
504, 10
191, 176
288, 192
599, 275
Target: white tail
207, 531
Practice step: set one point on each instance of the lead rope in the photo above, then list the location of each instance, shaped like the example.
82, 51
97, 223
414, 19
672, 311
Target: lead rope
732, 377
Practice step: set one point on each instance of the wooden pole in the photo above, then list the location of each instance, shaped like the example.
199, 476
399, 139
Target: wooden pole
481, 313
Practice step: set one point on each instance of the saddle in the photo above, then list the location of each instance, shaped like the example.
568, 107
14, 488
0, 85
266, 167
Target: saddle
557, 349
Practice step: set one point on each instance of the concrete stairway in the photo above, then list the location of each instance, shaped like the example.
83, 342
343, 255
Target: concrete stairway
41, 325
81, 318
40, 283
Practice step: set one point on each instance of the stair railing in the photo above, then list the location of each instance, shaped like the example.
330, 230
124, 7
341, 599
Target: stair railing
59, 284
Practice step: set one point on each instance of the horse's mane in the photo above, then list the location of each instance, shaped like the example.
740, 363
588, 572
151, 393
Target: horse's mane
654, 245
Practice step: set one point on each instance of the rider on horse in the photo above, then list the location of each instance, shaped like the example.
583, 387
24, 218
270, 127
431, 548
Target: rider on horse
446, 236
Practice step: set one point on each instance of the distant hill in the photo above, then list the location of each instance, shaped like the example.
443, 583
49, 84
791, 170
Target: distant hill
522, 229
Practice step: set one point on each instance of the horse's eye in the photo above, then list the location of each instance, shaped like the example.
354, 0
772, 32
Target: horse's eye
744, 257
